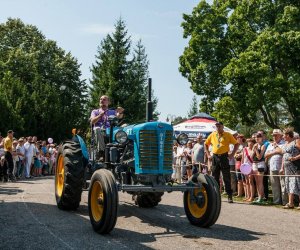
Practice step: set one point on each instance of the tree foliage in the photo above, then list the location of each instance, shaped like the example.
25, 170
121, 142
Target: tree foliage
249, 50
32, 70
223, 111
178, 119
122, 74
194, 109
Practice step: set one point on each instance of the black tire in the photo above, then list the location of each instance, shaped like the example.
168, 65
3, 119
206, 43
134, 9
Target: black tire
103, 201
205, 212
69, 175
147, 200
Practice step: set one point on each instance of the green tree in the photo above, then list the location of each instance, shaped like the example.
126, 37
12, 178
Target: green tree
224, 110
248, 50
32, 70
178, 120
193, 107
121, 74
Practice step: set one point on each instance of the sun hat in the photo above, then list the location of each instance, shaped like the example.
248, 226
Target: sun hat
277, 132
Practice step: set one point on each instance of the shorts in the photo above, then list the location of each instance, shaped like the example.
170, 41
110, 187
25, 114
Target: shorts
240, 176
259, 166
189, 165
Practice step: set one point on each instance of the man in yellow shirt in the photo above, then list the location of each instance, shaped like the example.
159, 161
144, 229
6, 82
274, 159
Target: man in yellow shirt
9, 164
220, 141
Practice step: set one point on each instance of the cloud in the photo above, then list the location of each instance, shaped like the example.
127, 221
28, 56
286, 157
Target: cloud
98, 29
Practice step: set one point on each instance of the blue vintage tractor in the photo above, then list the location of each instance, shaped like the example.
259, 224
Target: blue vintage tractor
138, 160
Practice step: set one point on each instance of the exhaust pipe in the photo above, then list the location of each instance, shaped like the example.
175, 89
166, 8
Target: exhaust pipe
149, 107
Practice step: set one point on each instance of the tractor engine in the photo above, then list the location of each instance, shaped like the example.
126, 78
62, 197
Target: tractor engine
148, 154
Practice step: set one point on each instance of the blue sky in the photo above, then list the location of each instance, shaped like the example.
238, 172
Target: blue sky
79, 26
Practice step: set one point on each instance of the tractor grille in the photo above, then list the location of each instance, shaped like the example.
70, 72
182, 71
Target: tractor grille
168, 150
149, 155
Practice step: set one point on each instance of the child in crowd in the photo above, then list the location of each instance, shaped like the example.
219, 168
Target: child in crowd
37, 162
45, 163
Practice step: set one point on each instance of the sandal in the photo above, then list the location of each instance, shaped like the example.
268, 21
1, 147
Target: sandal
298, 208
288, 206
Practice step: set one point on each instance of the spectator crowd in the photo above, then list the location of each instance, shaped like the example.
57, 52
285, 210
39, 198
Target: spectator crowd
273, 168
26, 157
274, 164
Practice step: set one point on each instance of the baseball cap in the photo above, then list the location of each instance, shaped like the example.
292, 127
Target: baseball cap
10, 131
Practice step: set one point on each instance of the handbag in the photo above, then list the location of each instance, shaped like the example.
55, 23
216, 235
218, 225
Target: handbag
297, 162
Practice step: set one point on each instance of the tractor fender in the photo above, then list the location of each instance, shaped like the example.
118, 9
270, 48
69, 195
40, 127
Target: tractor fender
83, 146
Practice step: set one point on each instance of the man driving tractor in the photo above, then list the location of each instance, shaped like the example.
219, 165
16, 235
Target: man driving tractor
99, 120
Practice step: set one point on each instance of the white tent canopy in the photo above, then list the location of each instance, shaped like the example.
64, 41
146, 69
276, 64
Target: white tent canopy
199, 124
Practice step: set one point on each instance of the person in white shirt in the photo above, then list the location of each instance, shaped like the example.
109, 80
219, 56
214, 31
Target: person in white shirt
181, 162
275, 160
198, 155
15, 156
29, 151
21, 155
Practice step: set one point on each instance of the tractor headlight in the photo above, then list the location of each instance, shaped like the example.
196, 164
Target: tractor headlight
182, 139
121, 137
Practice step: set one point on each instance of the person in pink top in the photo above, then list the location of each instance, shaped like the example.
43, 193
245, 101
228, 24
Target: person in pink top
249, 179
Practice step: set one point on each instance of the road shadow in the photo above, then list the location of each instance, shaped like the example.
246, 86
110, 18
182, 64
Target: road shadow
73, 228
31, 180
174, 221
44, 226
8, 190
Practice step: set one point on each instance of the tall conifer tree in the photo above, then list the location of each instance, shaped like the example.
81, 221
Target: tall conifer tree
121, 74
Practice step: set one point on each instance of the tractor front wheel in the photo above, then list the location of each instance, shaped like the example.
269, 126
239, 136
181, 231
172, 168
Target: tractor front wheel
202, 205
103, 201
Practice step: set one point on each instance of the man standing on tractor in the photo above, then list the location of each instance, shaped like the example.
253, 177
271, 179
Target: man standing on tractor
99, 120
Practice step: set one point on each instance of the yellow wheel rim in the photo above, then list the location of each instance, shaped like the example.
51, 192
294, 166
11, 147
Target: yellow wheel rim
97, 201
60, 175
194, 208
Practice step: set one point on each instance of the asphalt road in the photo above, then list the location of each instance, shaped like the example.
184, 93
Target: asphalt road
29, 219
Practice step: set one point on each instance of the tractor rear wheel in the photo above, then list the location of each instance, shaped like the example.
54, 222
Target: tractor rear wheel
103, 201
69, 175
203, 206
147, 200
